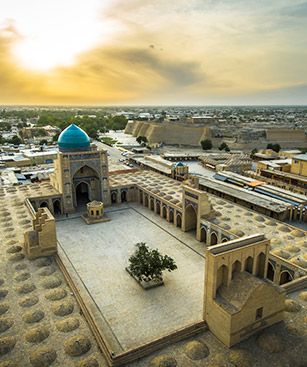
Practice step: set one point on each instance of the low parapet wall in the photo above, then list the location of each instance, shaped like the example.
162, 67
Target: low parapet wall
295, 285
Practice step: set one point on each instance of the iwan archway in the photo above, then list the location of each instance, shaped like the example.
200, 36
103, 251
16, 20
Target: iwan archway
86, 186
190, 218
82, 194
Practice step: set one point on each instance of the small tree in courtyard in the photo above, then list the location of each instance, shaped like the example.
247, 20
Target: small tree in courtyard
148, 264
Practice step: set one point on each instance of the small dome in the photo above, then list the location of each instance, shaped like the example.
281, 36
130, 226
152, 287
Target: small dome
297, 233
179, 164
73, 139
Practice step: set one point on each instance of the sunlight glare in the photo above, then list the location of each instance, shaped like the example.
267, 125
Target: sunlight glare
53, 32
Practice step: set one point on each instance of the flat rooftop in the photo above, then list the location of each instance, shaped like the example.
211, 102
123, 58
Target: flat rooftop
99, 254
160, 166
286, 175
168, 188
248, 196
287, 241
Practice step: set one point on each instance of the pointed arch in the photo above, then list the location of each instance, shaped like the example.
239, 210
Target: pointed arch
285, 277
249, 262
260, 267
178, 220
203, 234
222, 276
190, 218
57, 207
158, 208
82, 193
214, 239
44, 204
236, 268
164, 211
152, 204
271, 271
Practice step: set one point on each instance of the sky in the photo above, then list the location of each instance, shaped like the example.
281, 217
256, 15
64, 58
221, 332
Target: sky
140, 52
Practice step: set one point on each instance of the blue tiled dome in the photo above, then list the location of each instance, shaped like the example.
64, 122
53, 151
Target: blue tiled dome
73, 139
179, 164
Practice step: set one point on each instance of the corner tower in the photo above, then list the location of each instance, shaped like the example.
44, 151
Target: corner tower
239, 300
81, 170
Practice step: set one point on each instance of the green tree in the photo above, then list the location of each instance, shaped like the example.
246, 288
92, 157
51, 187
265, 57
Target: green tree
148, 264
254, 151
43, 142
55, 137
15, 140
142, 140
276, 147
206, 144
39, 132
119, 122
225, 147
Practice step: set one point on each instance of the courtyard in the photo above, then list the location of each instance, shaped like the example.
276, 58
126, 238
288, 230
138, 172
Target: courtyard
99, 254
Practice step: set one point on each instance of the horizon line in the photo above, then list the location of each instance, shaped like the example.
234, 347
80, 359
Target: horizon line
149, 105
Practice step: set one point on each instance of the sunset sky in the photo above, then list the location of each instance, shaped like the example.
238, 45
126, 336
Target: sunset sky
102, 52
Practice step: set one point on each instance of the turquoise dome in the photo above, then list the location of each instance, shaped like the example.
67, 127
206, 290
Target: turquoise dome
73, 139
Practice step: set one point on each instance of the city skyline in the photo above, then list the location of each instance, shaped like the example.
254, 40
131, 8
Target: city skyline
137, 53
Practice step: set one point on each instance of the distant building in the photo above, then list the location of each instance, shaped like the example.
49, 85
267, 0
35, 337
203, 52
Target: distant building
299, 165
290, 174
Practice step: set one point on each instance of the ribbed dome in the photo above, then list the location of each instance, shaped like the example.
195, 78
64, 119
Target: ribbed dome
73, 139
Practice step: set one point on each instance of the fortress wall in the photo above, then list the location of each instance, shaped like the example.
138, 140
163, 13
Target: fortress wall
137, 127
168, 133
151, 134
155, 134
129, 127
143, 129
286, 135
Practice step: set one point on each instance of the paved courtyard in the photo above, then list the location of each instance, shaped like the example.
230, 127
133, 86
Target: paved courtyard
99, 254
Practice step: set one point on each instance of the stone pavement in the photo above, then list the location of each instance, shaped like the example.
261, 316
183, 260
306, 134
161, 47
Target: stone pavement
99, 254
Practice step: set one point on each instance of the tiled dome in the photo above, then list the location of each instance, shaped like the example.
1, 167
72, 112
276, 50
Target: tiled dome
73, 139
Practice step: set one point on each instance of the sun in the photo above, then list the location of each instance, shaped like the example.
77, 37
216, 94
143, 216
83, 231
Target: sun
53, 32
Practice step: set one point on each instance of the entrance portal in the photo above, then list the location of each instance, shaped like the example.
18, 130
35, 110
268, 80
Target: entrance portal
113, 197
44, 204
123, 196
190, 218
285, 277
82, 194
57, 207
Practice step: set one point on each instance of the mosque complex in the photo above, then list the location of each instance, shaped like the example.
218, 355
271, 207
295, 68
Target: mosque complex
235, 266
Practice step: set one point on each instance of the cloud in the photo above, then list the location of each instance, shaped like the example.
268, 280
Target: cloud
297, 11
174, 52
108, 75
16, 84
